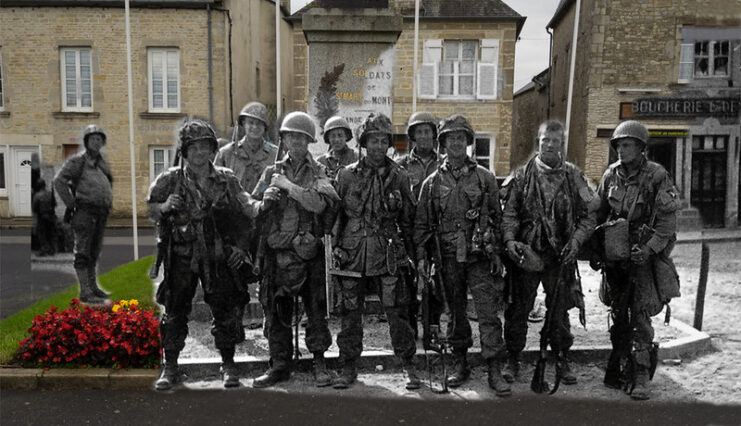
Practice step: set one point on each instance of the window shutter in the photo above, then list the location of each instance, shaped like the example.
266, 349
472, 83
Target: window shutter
486, 70
427, 79
686, 62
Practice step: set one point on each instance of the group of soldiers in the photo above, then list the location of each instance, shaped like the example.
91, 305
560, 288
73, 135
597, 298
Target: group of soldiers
433, 222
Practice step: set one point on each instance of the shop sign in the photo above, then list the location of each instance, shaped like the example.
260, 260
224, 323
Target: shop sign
683, 107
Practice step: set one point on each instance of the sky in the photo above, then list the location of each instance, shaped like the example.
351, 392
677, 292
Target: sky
531, 50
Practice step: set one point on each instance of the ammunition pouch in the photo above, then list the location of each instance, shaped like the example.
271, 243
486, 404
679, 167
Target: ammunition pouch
617, 240
305, 245
665, 277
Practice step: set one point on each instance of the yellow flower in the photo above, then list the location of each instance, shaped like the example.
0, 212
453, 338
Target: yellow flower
115, 308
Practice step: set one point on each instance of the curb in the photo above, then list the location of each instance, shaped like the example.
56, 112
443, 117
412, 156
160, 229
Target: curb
696, 343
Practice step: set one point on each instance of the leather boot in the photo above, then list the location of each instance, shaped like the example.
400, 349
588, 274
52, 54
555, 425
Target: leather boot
462, 371
511, 370
170, 372
229, 370
86, 293
93, 277
495, 379
567, 376
347, 377
410, 374
321, 374
641, 391
278, 372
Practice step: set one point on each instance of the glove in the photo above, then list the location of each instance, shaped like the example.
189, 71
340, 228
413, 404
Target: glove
640, 255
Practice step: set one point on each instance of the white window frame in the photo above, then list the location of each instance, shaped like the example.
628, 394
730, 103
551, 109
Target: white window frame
457, 74
711, 59
168, 156
486, 63
78, 53
686, 58
4, 151
166, 78
472, 150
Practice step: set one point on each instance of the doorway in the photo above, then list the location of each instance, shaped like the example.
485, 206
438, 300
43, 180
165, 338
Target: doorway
709, 159
21, 171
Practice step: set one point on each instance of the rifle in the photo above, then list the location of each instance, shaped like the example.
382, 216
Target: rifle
331, 270
260, 253
539, 384
436, 342
164, 225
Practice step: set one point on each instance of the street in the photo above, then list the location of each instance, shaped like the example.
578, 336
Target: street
21, 287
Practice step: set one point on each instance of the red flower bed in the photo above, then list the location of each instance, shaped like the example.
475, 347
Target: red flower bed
120, 335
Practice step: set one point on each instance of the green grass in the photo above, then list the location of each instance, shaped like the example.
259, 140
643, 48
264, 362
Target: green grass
130, 281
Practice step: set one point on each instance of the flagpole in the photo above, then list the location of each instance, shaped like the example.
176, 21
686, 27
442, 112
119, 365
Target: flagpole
416, 48
131, 134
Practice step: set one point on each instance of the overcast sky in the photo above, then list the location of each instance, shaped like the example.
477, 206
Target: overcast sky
531, 51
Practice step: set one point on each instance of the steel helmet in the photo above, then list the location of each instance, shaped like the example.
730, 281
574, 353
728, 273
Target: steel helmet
374, 123
299, 122
454, 123
337, 122
193, 130
629, 129
92, 129
255, 110
421, 118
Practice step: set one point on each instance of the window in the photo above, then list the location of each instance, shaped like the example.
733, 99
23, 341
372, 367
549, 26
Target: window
459, 69
160, 159
708, 58
164, 76
77, 87
3, 185
482, 151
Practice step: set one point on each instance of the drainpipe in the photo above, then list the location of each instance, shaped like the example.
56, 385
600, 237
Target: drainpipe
210, 79
571, 76
550, 73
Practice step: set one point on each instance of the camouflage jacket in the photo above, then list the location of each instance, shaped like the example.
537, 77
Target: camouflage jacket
333, 163
247, 167
86, 181
418, 169
296, 221
457, 209
653, 193
216, 216
545, 207
375, 216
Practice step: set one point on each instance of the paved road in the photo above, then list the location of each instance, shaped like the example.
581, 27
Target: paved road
248, 406
21, 287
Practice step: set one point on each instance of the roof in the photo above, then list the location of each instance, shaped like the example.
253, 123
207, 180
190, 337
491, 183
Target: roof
450, 9
194, 4
561, 9
532, 83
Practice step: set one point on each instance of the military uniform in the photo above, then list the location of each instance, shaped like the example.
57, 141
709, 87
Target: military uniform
334, 162
419, 168
200, 238
632, 289
248, 167
85, 186
545, 208
42, 205
295, 258
457, 204
375, 238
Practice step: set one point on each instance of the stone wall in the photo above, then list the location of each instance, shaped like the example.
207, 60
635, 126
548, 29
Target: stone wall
31, 80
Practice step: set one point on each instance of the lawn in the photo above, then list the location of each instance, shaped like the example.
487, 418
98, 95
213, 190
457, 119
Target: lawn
130, 281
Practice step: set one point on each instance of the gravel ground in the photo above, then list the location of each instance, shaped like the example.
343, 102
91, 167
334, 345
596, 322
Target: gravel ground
712, 377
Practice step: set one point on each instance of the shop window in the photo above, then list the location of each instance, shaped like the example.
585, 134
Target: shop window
160, 159
459, 69
76, 79
164, 79
704, 59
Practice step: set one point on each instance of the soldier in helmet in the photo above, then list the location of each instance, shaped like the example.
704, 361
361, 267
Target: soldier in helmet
640, 192
295, 193
422, 160
458, 218
199, 203
84, 185
337, 134
374, 240
248, 158
548, 215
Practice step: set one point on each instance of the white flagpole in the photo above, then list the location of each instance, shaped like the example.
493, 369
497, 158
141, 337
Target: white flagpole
131, 134
416, 48
572, 70
277, 60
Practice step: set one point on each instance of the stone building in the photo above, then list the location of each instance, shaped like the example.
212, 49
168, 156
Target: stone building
354, 57
673, 64
63, 66
529, 109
